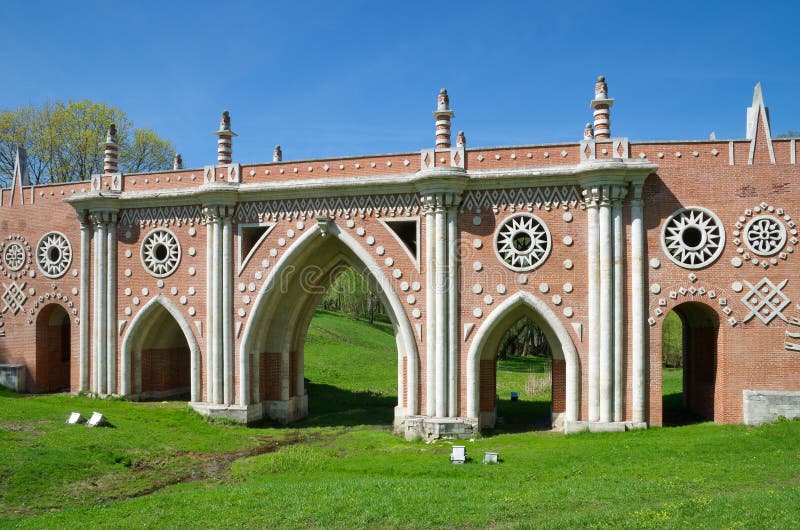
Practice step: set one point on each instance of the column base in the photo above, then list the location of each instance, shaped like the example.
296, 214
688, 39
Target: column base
430, 429
287, 411
596, 426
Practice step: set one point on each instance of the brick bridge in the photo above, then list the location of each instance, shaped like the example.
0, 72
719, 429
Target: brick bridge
205, 280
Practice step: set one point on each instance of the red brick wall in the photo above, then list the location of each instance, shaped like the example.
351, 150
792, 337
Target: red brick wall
165, 369
559, 385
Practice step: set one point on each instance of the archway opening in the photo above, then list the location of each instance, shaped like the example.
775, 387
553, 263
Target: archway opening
524, 378
161, 358
689, 364
350, 354
506, 321
313, 349
53, 350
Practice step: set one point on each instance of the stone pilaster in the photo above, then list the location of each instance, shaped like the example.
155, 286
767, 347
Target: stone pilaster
638, 294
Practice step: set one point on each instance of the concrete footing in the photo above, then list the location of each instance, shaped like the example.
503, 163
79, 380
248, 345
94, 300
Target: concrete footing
13, 376
766, 406
286, 411
596, 426
429, 429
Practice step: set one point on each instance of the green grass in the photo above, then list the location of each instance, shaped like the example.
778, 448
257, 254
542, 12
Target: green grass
163, 467
530, 410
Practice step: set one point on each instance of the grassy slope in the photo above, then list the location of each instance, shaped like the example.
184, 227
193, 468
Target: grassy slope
701, 475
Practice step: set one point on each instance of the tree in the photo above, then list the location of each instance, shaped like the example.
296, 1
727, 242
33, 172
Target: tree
63, 141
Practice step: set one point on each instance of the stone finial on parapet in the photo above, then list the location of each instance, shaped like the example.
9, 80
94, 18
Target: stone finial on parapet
588, 132
461, 139
601, 104
110, 151
443, 115
225, 139
177, 162
277, 154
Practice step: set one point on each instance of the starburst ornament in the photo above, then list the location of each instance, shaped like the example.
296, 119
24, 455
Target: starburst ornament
693, 237
522, 242
161, 253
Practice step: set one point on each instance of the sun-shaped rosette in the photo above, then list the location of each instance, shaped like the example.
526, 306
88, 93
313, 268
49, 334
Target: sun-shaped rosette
765, 235
522, 242
693, 237
161, 253
53, 254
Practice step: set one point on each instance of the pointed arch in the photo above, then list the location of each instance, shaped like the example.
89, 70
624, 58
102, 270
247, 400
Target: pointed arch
498, 322
271, 297
139, 330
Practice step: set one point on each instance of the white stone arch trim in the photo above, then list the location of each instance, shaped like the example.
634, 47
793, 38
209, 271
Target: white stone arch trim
571, 359
253, 333
140, 327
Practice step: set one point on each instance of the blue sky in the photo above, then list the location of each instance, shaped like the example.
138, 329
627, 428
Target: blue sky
346, 78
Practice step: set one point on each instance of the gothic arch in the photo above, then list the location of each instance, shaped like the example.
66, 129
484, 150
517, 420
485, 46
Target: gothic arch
272, 324
141, 327
497, 322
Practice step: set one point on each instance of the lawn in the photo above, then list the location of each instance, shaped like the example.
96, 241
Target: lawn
161, 466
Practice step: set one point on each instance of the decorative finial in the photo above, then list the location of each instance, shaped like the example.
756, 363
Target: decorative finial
588, 131
111, 134
443, 115
443, 100
177, 162
225, 121
277, 154
225, 139
600, 88
461, 139
110, 151
601, 104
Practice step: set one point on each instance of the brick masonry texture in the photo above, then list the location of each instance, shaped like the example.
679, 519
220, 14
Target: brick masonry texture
737, 341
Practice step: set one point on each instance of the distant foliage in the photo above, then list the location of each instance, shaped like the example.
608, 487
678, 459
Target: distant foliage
522, 339
672, 341
791, 133
62, 141
351, 294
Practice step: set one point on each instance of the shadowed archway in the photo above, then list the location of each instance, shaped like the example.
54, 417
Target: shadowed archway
482, 352
274, 337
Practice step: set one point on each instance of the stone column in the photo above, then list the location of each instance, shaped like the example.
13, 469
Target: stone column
430, 305
111, 302
638, 329
99, 315
593, 252
211, 215
453, 308
219, 388
85, 332
441, 307
618, 195
606, 308
227, 306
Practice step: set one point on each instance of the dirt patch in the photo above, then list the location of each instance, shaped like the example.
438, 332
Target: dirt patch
193, 467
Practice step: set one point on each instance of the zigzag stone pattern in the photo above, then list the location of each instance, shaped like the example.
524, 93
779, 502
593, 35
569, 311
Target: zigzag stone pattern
163, 216
402, 204
519, 198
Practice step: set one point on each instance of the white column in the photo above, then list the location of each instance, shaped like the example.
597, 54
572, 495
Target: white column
111, 303
452, 310
441, 309
100, 304
606, 310
218, 317
593, 243
85, 333
227, 308
638, 330
430, 308
210, 214
619, 294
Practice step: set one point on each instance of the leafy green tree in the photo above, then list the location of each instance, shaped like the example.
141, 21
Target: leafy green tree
62, 140
350, 293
